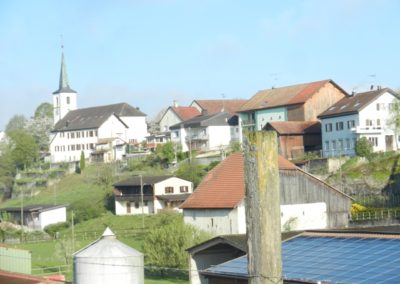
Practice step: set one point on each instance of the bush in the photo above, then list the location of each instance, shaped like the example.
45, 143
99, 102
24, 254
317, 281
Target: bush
364, 148
54, 228
85, 210
165, 246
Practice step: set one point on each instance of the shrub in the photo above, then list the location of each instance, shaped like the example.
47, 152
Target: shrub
54, 228
85, 210
364, 148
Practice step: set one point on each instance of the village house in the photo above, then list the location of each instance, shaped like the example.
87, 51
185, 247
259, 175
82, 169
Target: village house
79, 130
176, 114
157, 193
35, 217
295, 138
206, 132
302, 102
366, 114
217, 205
320, 257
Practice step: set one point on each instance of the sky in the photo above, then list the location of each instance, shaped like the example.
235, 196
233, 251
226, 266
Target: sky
150, 53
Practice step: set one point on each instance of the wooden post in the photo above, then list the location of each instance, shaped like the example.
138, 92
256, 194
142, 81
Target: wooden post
263, 217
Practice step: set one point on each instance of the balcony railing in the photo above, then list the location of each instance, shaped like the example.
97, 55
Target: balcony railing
368, 129
249, 122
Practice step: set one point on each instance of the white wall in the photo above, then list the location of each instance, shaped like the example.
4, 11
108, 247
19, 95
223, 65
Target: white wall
218, 136
215, 221
176, 183
169, 119
121, 208
137, 127
304, 216
52, 216
178, 136
60, 105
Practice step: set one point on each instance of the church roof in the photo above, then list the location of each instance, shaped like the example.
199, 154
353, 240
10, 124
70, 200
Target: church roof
63, 86
94, 117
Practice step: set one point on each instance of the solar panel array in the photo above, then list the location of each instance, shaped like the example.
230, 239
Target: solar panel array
331, 260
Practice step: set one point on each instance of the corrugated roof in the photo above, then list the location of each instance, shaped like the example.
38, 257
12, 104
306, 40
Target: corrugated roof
94, 117
284, 96
216, 119
355, 103
135, 180
18, 278
223, 186
186, 113
214, 106
295, 127
329, 258
33, 208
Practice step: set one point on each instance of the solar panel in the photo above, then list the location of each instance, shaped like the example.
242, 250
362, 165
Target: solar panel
331, 259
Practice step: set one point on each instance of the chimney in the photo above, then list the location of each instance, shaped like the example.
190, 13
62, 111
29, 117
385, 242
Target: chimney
379, 87
372, 87
175, 103
353, 93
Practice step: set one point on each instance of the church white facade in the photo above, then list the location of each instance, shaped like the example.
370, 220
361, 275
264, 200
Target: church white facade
81, 130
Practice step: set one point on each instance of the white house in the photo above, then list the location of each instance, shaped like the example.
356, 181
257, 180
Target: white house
36, 216
217, 205
78, 130
176, 114
365, 114
206, 132
158, 192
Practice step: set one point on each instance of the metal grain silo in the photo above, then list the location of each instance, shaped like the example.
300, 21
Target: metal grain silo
108, 261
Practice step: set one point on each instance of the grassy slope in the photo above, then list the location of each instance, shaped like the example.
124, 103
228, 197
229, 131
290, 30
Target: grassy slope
74, 188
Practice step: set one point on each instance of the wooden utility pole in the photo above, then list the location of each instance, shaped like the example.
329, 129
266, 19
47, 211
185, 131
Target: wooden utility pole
263, 217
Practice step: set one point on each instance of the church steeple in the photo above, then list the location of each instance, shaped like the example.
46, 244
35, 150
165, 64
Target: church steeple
63, 86
64, 99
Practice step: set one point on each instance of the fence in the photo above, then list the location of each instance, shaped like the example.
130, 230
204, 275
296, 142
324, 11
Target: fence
376, 215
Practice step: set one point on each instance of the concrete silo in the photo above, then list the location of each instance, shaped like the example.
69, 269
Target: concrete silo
108, 261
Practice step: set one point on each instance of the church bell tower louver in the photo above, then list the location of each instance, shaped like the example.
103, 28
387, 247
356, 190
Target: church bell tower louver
64, 99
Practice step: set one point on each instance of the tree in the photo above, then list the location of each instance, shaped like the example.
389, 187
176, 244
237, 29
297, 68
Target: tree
17, 122
24, 150
82, 161
164, 246
44, 110
7, 172
191, 172
363, 147
165, 152
40, 128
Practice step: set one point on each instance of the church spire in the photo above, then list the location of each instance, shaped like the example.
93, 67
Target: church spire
63, 86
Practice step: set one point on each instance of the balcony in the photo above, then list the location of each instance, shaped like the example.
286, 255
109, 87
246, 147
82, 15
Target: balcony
249, 122
197, 137
134, 197
368, 129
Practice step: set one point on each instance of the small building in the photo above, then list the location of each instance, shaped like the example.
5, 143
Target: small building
325, 257
366, 114
157, 192
108, 261
35, 217
15, 260
296, 137
108, 150
206, 132
154, 140
217, 205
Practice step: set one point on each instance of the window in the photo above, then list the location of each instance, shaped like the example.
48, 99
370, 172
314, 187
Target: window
341, 145
169, 189
136, 204
327, 145
78, 134
334, 144
91, 146
380, 106
378, 122
368, 122
184, 188
57, 103
351, 124
72, 135
339, 125
328, 127
78, 147
68, 100
91, 133
61, 134
348, 146
95, 133
373, 141
68, 135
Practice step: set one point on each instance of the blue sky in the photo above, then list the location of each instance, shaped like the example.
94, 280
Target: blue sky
149, 53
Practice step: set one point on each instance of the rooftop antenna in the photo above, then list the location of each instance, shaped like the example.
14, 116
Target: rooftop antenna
274, 77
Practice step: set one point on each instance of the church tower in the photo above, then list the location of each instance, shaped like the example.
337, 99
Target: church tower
64, 99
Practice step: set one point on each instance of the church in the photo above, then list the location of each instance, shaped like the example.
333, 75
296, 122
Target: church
101, 133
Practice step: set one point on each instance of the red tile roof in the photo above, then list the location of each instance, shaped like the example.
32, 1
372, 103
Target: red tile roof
18, 278
186, 113
289, 95
214, 106
223, 186
294, 127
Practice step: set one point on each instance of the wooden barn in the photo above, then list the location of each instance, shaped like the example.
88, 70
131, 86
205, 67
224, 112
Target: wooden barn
217, 205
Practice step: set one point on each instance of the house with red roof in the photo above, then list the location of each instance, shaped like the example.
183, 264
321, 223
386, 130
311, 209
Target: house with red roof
176, 114
301, 102
217, 205
215, 106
